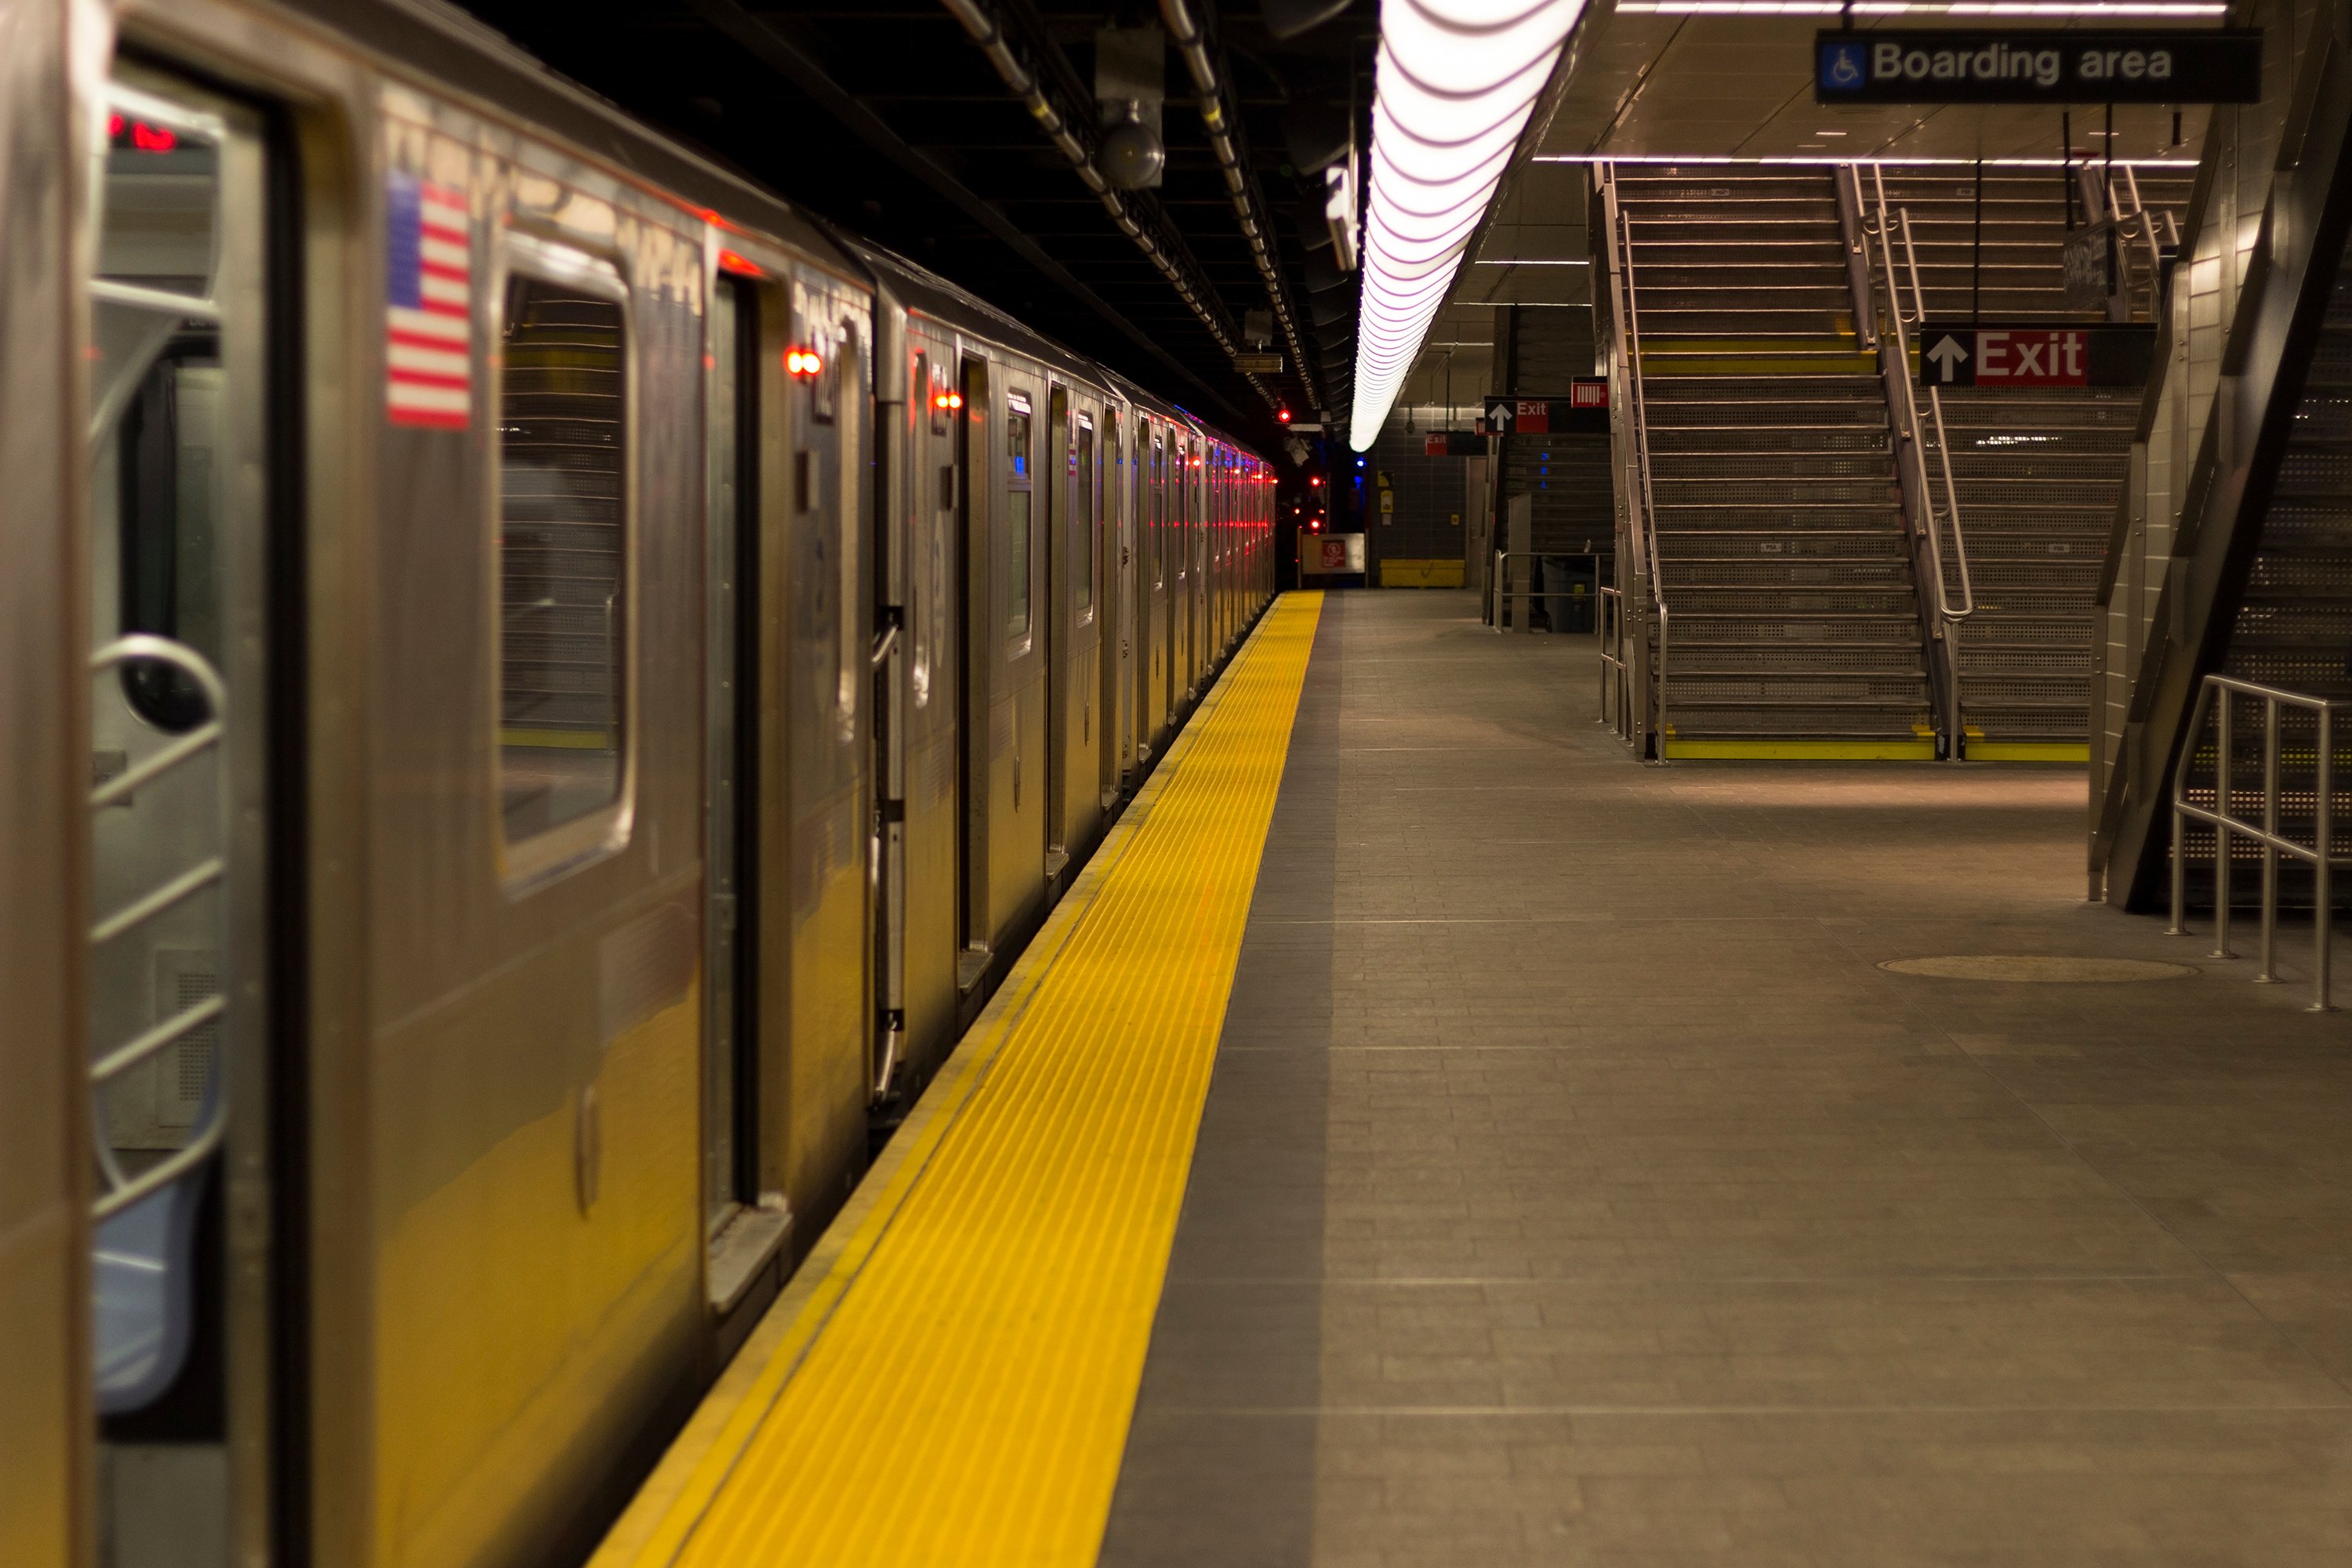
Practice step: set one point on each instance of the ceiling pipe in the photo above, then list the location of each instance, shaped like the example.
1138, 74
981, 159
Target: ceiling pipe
1249, 203
1139, 221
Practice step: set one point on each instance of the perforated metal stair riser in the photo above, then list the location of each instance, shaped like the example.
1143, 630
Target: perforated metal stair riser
2292, 628
1779, 531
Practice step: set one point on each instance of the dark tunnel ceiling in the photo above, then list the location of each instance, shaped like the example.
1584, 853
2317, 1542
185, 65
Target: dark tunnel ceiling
887, 118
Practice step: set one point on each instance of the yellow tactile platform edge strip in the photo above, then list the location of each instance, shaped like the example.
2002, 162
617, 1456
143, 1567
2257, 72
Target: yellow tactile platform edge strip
951, 1376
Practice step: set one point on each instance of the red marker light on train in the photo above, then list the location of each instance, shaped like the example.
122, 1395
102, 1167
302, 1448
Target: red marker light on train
947, 400
803, 362
735, 261
152, 137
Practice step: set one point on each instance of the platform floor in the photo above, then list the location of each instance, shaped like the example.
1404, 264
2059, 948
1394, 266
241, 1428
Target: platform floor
1573, 1186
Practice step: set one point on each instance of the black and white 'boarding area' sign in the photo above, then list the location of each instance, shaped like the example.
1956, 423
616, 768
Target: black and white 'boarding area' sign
2173, 65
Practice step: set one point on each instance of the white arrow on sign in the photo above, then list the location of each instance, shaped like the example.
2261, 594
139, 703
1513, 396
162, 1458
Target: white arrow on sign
1947, 354
1498, 417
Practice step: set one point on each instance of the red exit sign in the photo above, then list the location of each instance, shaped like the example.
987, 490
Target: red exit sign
1978, 353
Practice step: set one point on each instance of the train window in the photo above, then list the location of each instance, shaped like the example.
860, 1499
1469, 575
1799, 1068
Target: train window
1018, 481
158, 386
1159, 511
1082, 513
562, 542
819, 362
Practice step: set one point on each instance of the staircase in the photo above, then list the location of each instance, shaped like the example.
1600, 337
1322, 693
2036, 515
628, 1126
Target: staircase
1794, 619
2292, 626
2038, 472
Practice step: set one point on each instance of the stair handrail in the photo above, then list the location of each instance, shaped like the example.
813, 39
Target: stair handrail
1886, 219
1643, 510
2135, 223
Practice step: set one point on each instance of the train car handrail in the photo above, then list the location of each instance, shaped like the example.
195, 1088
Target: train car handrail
123, 1189
2322, 854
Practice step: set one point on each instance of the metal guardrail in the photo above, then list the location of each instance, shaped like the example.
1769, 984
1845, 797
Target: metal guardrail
1616, 675
2322, 854
1496, 593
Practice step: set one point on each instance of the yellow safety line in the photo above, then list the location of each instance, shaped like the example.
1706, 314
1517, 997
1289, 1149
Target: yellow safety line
2028, 750
1825, 364
1802, 751
558, 740
951, 1377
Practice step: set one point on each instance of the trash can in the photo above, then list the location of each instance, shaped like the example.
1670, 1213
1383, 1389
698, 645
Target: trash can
1569, 594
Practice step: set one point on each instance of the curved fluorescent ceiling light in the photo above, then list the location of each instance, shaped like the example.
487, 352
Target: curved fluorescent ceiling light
1457, 81
1928, 7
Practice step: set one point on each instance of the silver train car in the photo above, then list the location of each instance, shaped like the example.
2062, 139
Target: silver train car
543, 689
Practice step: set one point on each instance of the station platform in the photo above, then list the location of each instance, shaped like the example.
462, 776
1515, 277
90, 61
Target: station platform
1425, 1135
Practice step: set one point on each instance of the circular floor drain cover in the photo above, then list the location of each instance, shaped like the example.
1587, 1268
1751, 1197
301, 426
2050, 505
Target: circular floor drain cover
2037, 968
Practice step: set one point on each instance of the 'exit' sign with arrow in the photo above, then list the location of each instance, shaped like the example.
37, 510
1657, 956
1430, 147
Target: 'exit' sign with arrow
1987, 353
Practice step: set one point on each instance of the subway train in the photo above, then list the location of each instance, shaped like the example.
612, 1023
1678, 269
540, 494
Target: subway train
544, 689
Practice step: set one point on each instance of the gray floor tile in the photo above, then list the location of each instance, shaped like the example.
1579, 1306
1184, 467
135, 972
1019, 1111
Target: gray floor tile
1575, 1187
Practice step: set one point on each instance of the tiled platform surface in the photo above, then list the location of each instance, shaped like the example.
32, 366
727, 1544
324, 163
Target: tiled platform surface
1574, 1188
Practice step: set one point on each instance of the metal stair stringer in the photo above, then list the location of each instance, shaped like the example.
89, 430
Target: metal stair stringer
2273, 337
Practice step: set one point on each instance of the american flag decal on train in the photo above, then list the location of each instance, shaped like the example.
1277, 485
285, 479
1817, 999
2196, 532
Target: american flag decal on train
429, 306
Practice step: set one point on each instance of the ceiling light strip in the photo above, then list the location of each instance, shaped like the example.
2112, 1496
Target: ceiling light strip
1455, 83
2187, 165
2089, 8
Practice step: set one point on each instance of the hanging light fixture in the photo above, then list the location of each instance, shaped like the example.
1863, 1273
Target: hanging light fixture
1456, 82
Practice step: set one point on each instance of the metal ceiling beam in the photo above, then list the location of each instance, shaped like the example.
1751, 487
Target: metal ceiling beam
1139, 218
1248, 202
767, 42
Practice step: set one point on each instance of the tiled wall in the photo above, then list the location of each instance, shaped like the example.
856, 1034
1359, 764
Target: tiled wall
2241, 147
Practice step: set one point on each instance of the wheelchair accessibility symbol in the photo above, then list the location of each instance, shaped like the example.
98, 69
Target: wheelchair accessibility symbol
1842, 67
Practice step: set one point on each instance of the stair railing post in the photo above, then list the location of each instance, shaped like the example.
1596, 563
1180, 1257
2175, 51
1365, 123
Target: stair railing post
2179, 926
2269, 968
2222, 833
2323, 884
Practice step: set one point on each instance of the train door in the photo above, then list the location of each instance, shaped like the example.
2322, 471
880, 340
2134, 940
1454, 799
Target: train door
922, 889
1220, 522
1158, 633
193, 724
1196, 478
1117, 607
899, 400
1061, 620
1197, 532
1180, 573
1077, 804
975, 667
1020, 643
741, 1232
